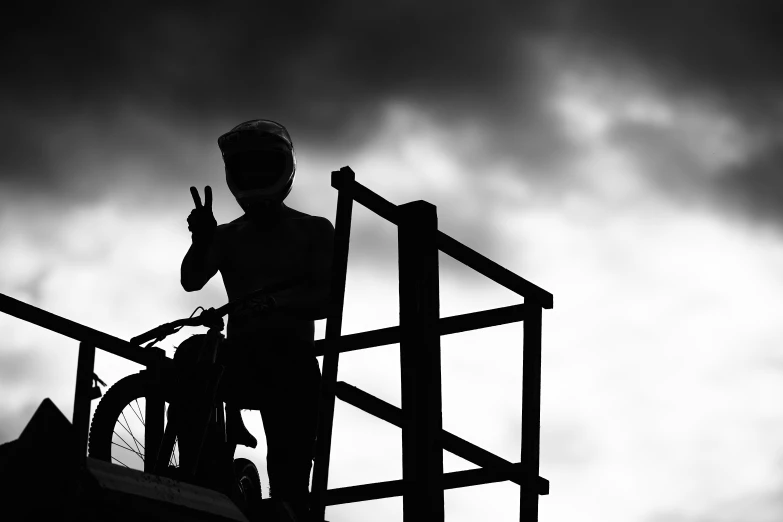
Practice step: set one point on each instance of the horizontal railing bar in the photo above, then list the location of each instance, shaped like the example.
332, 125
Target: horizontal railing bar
359, 341
483, 319
363, 492
74, 330
448, 325
450, 442
393, 488
492, 270
366, 197
475, 477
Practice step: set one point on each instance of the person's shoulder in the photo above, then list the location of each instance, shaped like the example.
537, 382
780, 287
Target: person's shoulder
238, 222
310, 221
321, 229
230, 228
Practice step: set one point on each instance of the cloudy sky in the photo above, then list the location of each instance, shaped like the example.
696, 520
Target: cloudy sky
622, 155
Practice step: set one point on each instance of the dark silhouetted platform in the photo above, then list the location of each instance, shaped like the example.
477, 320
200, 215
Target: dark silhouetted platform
42, 480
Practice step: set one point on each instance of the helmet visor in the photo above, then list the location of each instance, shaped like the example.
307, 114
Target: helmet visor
257, 169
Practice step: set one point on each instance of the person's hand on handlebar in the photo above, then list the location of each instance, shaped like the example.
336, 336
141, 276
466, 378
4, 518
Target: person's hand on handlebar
201, 222
255, 306
209, 317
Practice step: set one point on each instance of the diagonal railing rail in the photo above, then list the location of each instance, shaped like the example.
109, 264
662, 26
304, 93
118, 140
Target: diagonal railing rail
74, 330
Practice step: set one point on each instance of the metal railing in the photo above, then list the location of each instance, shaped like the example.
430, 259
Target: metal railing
153, 358
420, 418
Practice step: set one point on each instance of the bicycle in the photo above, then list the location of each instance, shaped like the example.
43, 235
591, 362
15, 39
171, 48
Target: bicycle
195, 368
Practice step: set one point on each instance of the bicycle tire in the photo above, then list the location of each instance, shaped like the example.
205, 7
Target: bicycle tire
111, 407
249, 481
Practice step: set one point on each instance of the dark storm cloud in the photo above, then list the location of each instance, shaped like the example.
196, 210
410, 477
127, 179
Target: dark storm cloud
726, 51
757, 187
725, 54
327, 68
324, 68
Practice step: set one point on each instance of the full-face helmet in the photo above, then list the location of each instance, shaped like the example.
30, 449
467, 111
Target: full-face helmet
260, 162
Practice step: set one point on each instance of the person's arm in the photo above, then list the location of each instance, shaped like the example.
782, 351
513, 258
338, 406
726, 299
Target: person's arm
202, 261
310, 300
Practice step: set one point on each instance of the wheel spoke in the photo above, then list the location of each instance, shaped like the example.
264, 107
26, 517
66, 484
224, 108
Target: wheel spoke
138, 415
135, 441
105, 434
127, 428
128, 448
118, 460
173, 456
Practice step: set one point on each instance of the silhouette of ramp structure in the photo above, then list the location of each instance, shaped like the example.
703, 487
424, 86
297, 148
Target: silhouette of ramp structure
40, 465
420, 418
42, 480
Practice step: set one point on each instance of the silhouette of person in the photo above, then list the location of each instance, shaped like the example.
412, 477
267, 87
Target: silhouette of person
269, 350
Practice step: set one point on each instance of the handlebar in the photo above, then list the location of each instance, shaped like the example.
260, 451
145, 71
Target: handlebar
211, 316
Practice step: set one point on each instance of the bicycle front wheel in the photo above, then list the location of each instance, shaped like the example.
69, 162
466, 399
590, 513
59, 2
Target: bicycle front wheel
249, 482
118, 426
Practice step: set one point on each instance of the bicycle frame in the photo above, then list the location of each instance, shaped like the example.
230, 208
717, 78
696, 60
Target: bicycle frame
209, 415
206, 360
190, 385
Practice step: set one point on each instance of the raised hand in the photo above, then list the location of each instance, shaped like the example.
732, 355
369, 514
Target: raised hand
201, 222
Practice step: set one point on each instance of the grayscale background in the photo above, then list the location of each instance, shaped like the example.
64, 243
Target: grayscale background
625, 156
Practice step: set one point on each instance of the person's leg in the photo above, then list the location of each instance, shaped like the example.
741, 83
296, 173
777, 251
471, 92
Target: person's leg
236, 432
191, 413
235, 387
183, 410
290, 415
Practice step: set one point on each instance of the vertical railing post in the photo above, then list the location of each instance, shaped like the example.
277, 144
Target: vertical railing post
340, 180
85, 368
422, 453
531, 409
155, 411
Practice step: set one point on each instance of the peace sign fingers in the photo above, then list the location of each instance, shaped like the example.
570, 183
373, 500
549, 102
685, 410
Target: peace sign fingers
197, 198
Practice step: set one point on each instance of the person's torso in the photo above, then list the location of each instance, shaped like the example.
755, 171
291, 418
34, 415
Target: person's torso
256, 257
